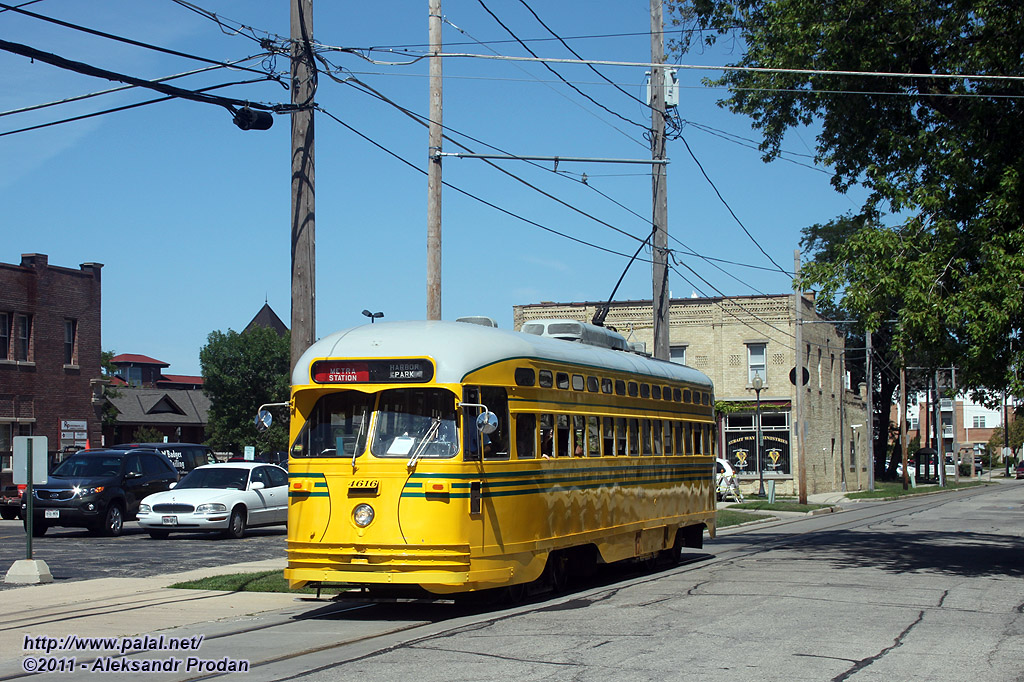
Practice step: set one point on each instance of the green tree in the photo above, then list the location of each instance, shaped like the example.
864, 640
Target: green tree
147, 434
108, 370
941, 156
240, 373
996, 443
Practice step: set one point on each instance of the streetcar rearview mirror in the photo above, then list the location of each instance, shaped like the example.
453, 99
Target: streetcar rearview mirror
264, 420
487, 422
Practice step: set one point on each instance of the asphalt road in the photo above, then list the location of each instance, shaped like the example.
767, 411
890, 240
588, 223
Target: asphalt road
74, 554
927, 588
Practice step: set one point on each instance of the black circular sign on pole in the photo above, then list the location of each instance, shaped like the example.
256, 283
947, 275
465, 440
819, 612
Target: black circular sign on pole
792, 376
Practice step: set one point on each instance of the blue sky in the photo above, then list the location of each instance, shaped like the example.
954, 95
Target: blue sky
191, 216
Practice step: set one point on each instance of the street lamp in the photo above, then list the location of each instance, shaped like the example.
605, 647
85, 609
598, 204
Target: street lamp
372, 316
758, 384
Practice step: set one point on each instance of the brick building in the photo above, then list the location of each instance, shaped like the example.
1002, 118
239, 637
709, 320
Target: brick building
732, 340
49, 353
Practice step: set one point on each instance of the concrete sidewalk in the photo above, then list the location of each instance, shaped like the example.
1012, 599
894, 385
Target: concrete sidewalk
122, 607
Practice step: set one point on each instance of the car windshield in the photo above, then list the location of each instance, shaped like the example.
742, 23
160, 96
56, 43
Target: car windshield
219, 477
415, 421
89, 466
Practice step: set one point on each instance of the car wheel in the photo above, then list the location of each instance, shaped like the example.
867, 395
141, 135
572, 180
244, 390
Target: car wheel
113, 522
159, 534
236, 525
8, 514
38, 529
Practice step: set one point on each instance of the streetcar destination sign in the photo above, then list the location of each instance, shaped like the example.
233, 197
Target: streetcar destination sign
372, 371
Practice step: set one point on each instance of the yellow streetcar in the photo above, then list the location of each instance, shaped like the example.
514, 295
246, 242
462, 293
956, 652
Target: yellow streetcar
443, 457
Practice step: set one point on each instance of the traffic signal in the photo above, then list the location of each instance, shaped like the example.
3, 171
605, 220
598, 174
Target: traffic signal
247, 119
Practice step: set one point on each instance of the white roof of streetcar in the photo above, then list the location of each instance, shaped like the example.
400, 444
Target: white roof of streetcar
458, 349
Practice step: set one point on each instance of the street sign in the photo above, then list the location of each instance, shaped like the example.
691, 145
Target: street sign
20, 462
250, 453
792, 376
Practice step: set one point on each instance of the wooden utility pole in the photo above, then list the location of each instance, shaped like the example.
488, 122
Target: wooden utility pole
798, 375
870, 377
659, 178
435, 135
903, 420
303, 186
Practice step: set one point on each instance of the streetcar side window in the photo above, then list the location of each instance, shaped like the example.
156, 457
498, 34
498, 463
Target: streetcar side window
645, 426
547, 436
593, 385
645, 390
687, 396
620, 436
526, 436
668, 437
656, 436
634, 437
337, 426
496, 445
656, 392
525, 376
593, 437
608, 440
562, 436
545, 378
620, 387
634, 389
577, 382
679, 439
562, 380
606, 385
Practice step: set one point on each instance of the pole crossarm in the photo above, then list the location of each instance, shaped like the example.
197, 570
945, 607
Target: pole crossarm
556, 159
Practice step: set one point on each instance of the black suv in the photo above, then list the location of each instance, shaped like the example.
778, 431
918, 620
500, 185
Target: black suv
99, 489
184, 456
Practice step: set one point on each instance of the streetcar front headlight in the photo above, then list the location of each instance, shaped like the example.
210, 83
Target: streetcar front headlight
362, 515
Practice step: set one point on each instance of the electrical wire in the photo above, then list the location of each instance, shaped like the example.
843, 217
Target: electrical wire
89, 70
117, 109
79, 98
129, 41
549, 68
269, 39
483, 201
729, 208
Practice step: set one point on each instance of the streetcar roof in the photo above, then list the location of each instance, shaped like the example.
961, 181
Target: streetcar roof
458, 349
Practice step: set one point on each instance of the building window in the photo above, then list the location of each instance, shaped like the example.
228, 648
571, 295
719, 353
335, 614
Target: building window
23, 336
5, 336
978, 421
133, 376
70, 342
912, 424
756, 361
677, 354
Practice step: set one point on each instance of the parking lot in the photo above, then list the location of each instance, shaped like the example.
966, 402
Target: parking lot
73, 554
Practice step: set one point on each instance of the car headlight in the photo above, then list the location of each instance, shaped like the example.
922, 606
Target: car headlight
144, 509
362, 515
82, 492
211, 508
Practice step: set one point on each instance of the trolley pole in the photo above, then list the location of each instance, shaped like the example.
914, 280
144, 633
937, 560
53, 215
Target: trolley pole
659, 178
303, 231
435, 135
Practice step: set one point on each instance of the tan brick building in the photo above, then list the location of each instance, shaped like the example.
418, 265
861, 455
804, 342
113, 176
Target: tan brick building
732, 340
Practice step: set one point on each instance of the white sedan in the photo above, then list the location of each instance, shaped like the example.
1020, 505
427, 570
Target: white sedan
227, 498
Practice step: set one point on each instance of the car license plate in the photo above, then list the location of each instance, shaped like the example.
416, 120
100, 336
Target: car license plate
169, 520
51, 514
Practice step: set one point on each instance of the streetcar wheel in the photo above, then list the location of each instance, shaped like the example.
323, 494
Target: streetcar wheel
557, 570
236, 526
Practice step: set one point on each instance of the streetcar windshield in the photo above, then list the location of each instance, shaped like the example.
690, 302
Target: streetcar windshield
415, 421
337, 426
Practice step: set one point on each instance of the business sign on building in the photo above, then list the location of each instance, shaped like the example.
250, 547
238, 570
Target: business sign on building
74, 433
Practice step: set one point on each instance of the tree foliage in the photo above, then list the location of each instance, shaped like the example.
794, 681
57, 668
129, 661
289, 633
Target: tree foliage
240, 373
942, 157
